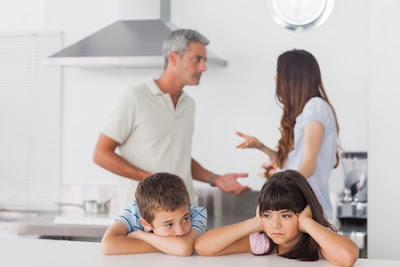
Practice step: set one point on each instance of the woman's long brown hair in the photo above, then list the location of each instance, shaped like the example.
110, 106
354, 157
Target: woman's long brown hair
298, 80
289, 190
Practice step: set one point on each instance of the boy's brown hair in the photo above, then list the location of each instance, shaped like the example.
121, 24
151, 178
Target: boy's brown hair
160, 191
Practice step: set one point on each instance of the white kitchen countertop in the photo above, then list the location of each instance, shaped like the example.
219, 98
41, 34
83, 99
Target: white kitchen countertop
39, 252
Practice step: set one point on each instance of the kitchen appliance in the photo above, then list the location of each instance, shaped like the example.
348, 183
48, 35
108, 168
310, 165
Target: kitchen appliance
352, 206
353, 200
134, 41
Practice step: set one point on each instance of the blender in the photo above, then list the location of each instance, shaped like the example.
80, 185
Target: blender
353, 200
351, 209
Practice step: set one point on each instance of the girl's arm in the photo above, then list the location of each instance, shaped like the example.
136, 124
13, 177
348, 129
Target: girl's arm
336, 248
313, 133
172, 245
228, 239
252, 142
115, 241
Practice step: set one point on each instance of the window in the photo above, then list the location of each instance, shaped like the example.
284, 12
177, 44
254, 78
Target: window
30, 121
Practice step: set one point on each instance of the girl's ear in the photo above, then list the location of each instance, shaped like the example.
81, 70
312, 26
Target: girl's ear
145, 224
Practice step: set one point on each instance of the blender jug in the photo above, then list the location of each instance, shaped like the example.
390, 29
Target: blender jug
355, 167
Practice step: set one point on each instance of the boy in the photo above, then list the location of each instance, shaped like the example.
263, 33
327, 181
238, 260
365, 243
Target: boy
160, 219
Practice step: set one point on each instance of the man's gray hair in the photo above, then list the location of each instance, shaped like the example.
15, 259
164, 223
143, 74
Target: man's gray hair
178, 41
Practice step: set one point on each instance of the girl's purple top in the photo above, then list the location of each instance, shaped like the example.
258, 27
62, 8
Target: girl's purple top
259, 243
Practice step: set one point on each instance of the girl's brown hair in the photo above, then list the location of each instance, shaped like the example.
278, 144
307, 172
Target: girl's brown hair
289, 190
298, 80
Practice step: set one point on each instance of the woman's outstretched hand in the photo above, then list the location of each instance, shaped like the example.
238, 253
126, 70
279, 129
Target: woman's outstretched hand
249, 141
270, 168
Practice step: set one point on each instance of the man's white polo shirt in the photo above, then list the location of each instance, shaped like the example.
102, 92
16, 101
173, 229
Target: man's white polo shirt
154, 136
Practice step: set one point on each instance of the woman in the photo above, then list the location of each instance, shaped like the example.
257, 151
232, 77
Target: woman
309, 127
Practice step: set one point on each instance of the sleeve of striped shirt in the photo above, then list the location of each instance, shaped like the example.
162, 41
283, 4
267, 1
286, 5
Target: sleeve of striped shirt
198, 218
130, 216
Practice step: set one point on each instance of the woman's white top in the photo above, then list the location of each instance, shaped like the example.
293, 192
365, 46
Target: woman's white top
317, 109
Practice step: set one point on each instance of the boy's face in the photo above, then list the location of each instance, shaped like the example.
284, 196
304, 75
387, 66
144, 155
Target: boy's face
172, 223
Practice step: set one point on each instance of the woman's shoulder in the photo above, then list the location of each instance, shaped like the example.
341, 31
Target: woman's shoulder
317, 102
317, 106
316, 109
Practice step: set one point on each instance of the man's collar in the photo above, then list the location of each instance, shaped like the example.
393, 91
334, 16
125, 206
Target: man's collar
155, 90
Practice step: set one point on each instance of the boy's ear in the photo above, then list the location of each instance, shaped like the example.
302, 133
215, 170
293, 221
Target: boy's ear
145, 224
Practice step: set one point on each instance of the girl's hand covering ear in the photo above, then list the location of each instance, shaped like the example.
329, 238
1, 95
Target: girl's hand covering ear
303, 216
257, 218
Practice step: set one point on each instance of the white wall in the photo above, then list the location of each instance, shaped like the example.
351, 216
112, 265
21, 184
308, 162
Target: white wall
384, 147
21, 15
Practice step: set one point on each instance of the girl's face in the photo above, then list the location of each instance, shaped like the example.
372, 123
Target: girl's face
282, 227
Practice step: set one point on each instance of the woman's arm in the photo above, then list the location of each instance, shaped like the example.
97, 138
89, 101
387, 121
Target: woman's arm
336, 248
228, 239
115, 241
313, 133
172, 245
252, 142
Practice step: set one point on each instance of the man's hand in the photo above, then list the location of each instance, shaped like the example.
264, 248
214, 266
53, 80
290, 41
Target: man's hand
228, 183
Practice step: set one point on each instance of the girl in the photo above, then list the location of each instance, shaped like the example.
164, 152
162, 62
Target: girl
289, 222
309, 127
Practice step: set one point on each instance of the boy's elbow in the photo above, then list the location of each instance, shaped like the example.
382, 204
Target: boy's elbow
184, 250
106, 247
201, 249
106, 250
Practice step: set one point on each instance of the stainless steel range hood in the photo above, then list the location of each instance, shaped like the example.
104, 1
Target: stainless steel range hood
124, 44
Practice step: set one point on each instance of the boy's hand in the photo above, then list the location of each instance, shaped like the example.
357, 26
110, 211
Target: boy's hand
305, 215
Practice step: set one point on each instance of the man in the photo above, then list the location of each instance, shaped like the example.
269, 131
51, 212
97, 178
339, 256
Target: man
152, 124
